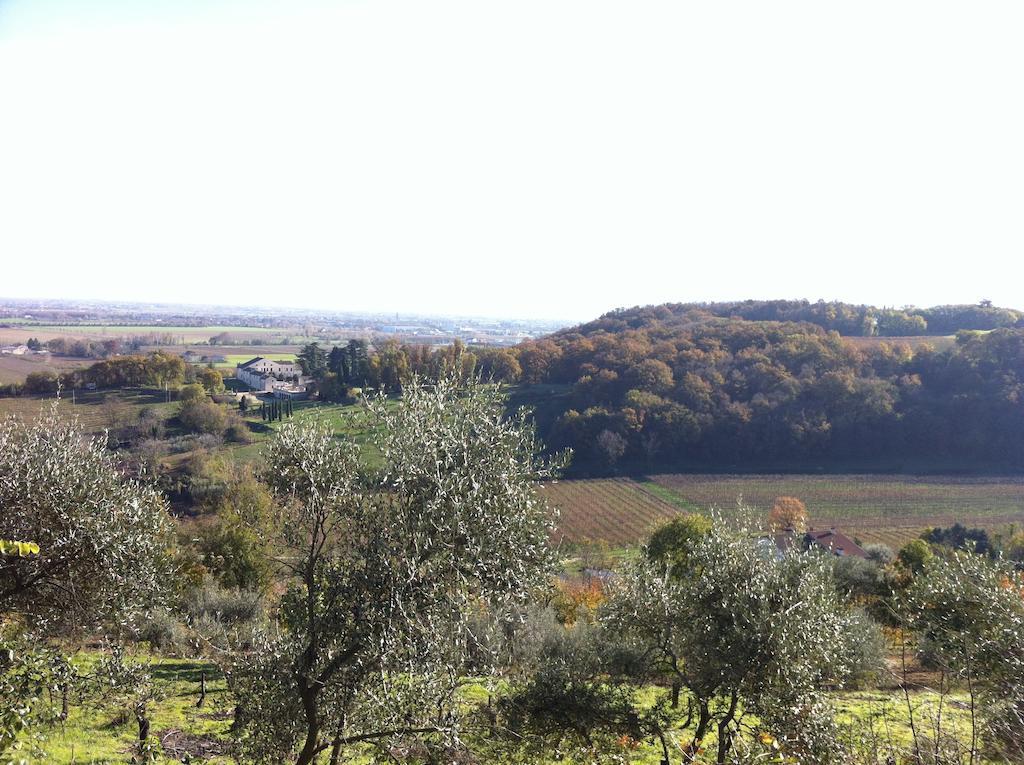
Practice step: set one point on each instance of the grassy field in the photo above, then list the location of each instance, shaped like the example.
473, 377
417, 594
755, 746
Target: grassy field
873, 508
346, 420
102, 734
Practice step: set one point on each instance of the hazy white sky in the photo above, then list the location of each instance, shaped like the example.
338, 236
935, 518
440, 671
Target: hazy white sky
547, 158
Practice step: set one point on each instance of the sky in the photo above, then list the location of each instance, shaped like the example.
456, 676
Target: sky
536, 158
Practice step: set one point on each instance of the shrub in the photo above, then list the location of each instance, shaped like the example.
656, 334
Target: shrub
576, 601
880, 554
234, 556
166, 633
237, 431
228, 605
202, 416
191, 392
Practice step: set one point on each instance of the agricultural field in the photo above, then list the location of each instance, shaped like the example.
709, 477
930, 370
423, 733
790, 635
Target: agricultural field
619, 511
872, 508
96, 410
181, 335
875, 508
14, 369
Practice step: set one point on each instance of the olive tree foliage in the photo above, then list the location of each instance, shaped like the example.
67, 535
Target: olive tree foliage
742, 640
746, 633
575, 697
968, 613
103, 538
30, 671
391, 572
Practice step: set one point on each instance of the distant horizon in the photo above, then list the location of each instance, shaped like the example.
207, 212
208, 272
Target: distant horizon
560, 321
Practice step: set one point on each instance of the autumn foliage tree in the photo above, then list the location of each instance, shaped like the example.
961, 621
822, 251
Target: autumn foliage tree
788, 513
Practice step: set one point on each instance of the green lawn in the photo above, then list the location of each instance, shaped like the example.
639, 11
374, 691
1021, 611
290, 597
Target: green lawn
346, 420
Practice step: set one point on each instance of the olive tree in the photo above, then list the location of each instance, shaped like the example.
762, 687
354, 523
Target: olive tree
748, 636
390, 572
103, 538
968, 613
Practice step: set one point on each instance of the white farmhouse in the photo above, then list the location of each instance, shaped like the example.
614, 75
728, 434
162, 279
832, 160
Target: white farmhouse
262, 374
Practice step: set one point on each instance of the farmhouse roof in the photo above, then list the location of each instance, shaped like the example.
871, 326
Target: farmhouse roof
250, 362
831, 540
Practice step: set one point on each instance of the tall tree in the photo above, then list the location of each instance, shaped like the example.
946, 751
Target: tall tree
313, 360
390, 575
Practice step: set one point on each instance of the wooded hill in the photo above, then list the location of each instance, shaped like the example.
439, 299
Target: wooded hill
679, 385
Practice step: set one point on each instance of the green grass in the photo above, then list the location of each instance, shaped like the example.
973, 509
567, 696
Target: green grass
94, 732
349, 421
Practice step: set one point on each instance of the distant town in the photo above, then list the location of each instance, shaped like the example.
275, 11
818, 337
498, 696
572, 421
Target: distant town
276, 326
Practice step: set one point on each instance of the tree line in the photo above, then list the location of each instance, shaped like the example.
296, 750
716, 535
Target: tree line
156, 370
342, 371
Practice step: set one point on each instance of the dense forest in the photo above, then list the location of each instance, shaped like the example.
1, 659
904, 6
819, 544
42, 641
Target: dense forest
681, 385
